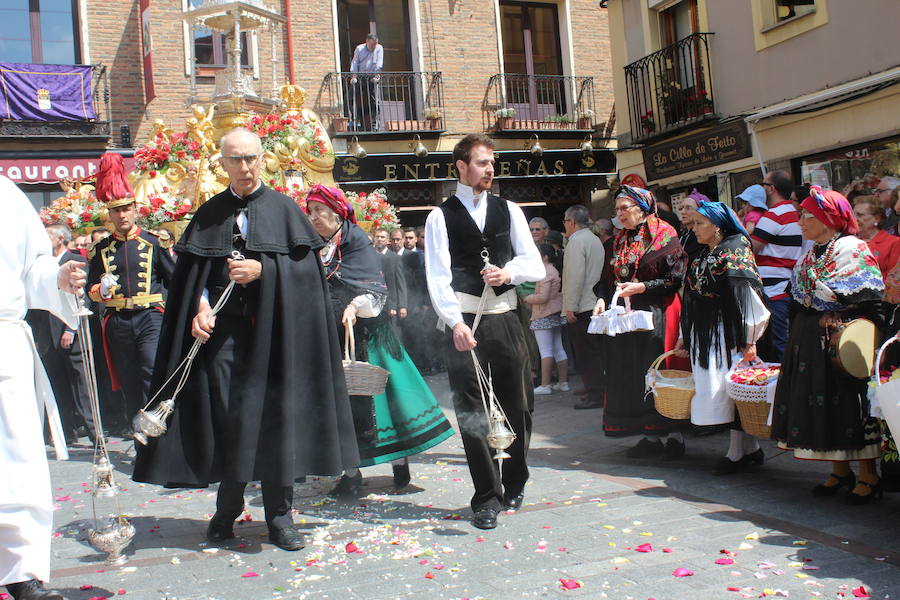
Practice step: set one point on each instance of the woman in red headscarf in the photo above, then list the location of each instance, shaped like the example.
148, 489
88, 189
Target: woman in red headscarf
820, 412
406, 419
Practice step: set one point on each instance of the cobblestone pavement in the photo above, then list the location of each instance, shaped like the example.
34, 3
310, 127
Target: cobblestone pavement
594, 525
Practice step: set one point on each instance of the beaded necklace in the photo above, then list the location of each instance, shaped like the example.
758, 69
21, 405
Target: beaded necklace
815, 268
334, 242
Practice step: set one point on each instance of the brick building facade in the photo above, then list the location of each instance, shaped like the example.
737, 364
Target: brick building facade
548, 61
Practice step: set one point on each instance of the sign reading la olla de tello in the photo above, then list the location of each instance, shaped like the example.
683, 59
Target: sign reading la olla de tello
708, 148
440, 166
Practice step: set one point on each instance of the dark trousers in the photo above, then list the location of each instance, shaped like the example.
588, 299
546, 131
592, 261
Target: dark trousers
588, 350
771, 346
132, 337
277, 502
501, 346
79, 389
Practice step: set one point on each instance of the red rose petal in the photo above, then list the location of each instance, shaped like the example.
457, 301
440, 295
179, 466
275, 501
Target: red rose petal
644, 548
351, 548
85, 587
250, 574
429, 575
860, 592
682, 572
570, 584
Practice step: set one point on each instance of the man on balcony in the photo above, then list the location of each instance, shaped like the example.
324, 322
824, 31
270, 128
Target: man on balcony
365, 92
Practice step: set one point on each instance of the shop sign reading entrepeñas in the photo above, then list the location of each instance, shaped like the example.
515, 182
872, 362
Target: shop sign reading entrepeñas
711, 147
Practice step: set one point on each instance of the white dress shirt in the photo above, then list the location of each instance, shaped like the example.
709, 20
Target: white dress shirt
526, 264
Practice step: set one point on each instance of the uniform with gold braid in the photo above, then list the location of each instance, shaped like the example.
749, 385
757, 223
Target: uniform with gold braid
133, 305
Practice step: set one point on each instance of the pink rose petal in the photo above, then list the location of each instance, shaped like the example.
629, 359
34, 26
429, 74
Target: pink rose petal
85, 587
644, 548
682, 572
724, 561
351, 548
250, 574
570, 584
667, 550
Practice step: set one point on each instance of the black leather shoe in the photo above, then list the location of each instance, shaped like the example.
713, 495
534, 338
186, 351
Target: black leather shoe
220, 529
587, 404
485, 518
645, 449
402, 476
286, 538
674, 449
347, 486
32, 590
875, 493
513, 502
824, 491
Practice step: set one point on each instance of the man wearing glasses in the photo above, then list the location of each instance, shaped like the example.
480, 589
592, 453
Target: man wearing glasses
883, 194
266, 399
539, 229
778, 245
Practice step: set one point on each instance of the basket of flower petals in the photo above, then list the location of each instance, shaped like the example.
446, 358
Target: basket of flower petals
752, 387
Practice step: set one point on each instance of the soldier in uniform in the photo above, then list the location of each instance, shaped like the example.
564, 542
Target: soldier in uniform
129, 275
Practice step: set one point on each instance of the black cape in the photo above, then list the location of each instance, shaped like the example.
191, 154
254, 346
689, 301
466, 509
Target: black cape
292, 414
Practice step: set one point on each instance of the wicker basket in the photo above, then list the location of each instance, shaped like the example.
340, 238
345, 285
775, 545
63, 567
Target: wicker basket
755, 418
673, 389
363, 379
753, 402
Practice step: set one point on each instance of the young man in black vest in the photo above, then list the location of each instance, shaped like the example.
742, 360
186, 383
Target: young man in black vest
456, 234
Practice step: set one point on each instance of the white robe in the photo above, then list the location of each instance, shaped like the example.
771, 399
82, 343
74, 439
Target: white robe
711, 404
28, 279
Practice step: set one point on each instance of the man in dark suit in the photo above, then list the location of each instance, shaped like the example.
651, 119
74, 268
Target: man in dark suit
394, 277
60, 351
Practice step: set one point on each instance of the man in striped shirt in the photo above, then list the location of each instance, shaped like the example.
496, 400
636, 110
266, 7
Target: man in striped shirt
777, 244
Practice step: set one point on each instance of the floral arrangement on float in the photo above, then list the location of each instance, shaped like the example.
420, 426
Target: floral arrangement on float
78, 209
294, 143
373, 211
162, 209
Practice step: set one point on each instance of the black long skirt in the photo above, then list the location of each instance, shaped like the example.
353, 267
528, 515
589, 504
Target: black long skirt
820, 413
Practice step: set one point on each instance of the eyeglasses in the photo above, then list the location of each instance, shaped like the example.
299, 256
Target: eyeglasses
621, 209
536, 228
767, 184
236, 160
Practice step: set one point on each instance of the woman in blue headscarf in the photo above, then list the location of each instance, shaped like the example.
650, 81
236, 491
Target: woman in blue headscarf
722, 318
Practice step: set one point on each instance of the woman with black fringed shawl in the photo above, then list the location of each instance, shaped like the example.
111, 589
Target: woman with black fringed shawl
722, 318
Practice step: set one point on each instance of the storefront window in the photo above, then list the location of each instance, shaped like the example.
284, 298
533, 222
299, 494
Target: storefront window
854, 170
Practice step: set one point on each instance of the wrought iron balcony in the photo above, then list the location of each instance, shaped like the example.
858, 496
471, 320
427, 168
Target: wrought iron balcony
671, 88
387, 102
532, 102
68, 129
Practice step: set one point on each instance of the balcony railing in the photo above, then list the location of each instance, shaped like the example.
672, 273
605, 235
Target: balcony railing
530, 102
69, 129
671, 88
375, 103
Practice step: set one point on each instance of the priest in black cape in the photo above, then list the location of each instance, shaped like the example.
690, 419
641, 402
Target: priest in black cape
266, 398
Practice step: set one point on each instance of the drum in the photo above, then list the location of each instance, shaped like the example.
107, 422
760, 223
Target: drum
851, 347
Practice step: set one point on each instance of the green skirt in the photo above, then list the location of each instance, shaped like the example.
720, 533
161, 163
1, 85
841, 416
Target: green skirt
408, 418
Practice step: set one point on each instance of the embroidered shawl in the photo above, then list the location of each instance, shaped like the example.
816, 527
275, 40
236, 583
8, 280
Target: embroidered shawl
848, 276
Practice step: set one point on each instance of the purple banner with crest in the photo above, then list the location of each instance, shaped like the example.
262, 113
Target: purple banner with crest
46, 92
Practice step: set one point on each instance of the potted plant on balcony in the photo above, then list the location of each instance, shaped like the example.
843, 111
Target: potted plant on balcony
339, 122
505, 117
433, 116
585, 119
565, 121
647, 122
706, 103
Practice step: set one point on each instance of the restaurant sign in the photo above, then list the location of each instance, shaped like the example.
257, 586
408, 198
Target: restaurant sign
708, 148
439, 166
52, 170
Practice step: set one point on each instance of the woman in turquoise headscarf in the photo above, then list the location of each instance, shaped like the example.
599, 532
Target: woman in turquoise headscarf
722, 318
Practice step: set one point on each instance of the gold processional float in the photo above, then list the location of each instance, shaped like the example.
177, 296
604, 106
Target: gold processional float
175, 173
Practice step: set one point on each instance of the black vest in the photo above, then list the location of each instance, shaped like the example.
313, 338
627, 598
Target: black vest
467, 242
244, 299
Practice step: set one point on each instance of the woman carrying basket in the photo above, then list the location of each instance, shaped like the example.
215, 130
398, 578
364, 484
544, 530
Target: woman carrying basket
722, 318
406, 419
649, 265
821, 412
